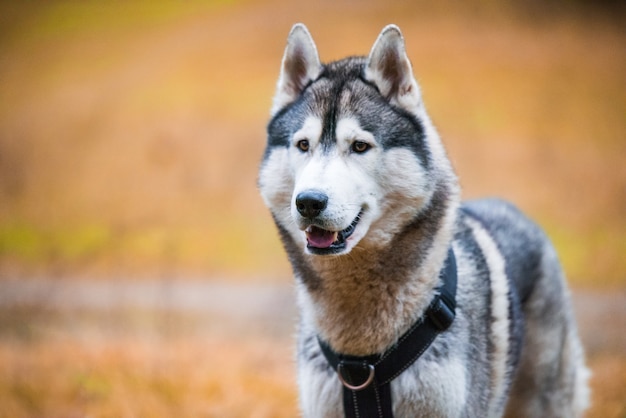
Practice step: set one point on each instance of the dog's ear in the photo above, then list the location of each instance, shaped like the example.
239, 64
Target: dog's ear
300, 65
389, 68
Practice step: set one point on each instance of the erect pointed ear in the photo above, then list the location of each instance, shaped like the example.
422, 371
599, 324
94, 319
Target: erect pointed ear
301, 65
389, 68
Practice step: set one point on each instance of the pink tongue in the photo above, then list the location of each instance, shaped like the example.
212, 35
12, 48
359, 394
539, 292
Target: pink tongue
320, 238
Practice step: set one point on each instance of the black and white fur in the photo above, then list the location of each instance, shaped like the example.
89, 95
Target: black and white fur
353, 158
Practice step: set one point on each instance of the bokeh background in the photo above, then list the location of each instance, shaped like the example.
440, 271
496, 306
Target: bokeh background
141, 275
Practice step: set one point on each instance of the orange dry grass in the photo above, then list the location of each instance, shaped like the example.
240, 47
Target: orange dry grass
608, 384
132, 377
190, 377
237, 361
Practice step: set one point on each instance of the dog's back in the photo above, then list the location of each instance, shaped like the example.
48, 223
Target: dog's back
550, 379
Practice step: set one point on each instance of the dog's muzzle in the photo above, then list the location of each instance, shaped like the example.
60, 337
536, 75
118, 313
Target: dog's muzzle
321, 241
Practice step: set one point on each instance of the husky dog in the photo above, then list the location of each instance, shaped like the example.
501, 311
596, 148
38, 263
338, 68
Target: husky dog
367, 206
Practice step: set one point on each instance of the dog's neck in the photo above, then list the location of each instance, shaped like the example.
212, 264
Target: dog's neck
361, 303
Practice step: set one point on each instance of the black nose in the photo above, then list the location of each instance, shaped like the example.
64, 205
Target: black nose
310, 203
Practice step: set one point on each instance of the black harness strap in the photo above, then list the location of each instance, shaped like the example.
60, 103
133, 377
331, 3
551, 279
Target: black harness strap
366, 380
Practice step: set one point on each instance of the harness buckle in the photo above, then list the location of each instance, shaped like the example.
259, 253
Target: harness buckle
355, 371
441, 313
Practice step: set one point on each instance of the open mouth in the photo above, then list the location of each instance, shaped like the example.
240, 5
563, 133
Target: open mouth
321, 241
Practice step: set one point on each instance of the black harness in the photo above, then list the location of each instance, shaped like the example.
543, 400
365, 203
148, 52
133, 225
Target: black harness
366, 380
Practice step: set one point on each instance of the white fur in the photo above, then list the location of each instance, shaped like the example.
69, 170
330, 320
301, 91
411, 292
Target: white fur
348, 131
311, 131
446, 398
499, 315
276, 184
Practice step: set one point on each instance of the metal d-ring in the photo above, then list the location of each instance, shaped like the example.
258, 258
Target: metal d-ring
362, 386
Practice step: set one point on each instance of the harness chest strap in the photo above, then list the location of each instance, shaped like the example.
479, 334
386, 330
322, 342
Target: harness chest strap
366, 380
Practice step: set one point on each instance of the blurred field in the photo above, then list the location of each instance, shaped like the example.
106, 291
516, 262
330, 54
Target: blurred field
149, 349
130, 137
196, 349
131, 133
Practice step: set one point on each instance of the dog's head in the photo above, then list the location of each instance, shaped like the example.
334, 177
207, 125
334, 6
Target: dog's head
349, 158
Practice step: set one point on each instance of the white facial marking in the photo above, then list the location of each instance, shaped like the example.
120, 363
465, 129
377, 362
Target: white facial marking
404, 189
311, 131
365, 185
275, 181
348, 131
348, 179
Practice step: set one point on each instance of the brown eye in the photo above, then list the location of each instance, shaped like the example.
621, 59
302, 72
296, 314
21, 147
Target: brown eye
360, 147
303, 145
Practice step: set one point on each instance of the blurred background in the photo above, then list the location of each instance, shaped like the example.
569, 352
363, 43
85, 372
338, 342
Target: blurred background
140, 273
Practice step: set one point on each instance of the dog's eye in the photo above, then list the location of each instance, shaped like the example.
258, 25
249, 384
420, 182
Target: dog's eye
303, 145
360, 147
